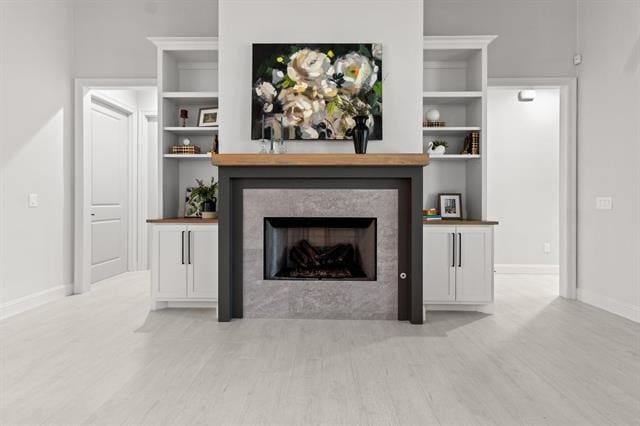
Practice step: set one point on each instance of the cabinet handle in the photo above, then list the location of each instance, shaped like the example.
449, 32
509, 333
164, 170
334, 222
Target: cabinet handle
182, 251
459, 250
453, 253
189, 246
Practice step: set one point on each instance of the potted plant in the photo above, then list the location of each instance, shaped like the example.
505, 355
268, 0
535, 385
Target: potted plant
360, 111
207, 195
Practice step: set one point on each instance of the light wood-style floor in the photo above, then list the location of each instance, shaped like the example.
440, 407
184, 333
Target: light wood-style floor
102, 358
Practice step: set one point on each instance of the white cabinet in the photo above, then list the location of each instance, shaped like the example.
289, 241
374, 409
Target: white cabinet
169, 269
457, 264
474, 270
202, 262
439, 281
184, 264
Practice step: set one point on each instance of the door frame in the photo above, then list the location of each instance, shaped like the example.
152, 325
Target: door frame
82, 171
145, 190
568, 87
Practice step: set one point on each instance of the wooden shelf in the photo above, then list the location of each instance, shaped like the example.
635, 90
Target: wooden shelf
184, 220
191, 97
189, 156
454, 157
192, 130
325, 160
449, 130
458, 222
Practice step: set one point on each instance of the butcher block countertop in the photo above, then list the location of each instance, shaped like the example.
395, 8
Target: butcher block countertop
183, 220
459, 222
324, 160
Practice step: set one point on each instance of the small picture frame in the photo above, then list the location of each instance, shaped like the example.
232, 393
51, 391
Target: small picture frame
450, 206
208, 117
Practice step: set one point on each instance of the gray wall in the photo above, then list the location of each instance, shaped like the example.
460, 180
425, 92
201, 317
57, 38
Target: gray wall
535, 37
609, 154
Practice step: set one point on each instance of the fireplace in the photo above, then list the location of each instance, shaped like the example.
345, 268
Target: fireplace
320, 248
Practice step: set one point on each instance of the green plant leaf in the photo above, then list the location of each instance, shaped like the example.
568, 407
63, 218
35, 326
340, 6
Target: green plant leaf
364, 51
377, 88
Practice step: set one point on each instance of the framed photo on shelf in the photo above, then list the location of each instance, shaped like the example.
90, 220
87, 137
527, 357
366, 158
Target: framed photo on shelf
208, 117
450, 206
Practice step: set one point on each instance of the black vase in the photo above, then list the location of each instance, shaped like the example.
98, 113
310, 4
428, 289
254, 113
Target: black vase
360, 134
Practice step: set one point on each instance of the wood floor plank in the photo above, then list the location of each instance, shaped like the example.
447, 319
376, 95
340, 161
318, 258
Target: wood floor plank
103, 358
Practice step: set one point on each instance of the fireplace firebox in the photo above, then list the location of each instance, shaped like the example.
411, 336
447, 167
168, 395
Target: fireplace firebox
320, 248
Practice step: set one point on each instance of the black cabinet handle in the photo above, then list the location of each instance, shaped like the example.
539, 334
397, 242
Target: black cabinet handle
182, 247
453, 253
189, 246
459, 249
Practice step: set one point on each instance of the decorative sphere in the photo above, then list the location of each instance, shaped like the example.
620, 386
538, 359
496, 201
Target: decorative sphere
433, 115
186, 141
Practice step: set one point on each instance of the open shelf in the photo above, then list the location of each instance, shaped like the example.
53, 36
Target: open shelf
189, 156
191, 97
460, 95
449, 130
454, 157
192, 130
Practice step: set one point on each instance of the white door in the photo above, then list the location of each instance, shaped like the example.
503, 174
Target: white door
109, 139
439, 271
474, 273
169, 262
202, 260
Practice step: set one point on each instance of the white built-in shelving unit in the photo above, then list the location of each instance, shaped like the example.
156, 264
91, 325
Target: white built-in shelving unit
455, 83
187, 79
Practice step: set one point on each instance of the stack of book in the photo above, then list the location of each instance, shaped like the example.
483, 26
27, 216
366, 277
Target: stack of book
430, 214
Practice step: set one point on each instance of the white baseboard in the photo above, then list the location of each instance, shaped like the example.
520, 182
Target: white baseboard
626, 310
22, 304
512, 268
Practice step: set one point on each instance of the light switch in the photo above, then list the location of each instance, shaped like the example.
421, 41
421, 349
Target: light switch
604, 203
546, 247
33, 200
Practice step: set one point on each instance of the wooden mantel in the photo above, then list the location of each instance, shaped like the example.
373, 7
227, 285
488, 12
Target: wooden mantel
322, 160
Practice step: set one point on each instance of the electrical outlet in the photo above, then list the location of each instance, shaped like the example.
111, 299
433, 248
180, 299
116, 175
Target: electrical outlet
577, 59
33, 200
604, 203
546, 247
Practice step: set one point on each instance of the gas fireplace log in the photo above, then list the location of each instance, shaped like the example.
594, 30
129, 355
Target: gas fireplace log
298, 257
310, 252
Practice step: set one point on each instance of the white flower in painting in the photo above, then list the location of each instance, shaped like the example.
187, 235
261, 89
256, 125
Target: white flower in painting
308, 66
376, 51
341, 123
309, 133
266, 91
267, 107
297, 108
276, 76
358, 71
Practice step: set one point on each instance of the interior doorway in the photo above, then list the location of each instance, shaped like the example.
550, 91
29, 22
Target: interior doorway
531, 180
116, 126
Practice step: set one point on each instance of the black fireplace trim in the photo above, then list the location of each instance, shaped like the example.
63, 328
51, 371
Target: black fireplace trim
233, 180
364, 220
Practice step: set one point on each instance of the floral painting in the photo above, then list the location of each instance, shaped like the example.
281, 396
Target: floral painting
313, 91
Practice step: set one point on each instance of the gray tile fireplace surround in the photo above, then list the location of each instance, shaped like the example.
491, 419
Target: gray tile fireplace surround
320, 299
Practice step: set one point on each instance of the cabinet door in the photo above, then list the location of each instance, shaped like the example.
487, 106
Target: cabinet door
438, 278
474, 273
169, 265
202, 276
